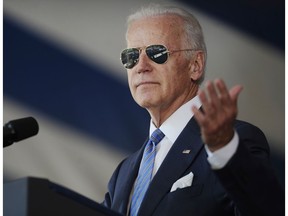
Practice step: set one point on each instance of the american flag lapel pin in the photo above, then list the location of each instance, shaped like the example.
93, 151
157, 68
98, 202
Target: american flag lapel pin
187, 151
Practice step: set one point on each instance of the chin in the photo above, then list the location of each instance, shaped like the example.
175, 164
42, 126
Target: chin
147, 98
146, 103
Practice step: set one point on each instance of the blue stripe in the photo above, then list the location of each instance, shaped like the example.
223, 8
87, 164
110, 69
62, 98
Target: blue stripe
56, 83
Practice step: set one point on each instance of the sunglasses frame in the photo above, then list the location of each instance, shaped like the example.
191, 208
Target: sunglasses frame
135, 62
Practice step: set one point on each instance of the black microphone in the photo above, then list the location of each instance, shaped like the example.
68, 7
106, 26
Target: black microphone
19, 129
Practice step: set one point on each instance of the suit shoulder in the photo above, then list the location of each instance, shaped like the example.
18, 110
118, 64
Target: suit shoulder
243, 126
241, 123
253, 136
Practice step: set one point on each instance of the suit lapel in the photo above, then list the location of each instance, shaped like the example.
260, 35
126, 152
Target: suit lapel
127, 179
173, 166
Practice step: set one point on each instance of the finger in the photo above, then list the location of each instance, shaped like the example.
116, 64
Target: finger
203, 98
223, 91
211, 90
199, 116
213, 96
231, 96
234, 92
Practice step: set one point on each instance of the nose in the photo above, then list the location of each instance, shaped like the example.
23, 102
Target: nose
144, 63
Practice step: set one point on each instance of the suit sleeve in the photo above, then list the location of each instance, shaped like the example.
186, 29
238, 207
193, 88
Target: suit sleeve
249, 178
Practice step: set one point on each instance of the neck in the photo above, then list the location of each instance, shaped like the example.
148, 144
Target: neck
161, 114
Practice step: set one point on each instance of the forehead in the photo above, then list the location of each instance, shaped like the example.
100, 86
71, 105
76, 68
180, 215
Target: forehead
164, 29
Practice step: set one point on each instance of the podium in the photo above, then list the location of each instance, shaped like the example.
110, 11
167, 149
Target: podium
35, 196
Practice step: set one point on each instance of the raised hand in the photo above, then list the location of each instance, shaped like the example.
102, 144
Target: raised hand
217, 114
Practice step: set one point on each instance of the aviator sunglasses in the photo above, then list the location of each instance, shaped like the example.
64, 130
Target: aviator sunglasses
157, 53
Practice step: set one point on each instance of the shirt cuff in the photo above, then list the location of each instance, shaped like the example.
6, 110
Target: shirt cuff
219, 158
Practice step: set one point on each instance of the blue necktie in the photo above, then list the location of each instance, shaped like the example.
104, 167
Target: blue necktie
145, 171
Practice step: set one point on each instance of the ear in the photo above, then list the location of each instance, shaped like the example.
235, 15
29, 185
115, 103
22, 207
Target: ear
197, 65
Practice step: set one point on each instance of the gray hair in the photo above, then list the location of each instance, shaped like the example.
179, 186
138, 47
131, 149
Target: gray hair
193, 32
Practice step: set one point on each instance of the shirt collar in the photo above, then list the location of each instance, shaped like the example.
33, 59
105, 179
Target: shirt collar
174, 125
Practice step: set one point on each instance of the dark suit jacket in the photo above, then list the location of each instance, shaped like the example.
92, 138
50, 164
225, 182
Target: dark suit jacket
245, 186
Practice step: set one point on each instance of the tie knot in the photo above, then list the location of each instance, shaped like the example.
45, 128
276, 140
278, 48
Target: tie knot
157, 136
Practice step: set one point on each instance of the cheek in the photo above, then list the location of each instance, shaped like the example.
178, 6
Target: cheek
171, 77
176, 80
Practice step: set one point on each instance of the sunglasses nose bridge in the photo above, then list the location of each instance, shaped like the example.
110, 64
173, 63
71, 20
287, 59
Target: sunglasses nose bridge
143, 54
143, 62
142, 50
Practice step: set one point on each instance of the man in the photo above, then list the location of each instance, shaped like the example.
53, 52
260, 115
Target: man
206, 161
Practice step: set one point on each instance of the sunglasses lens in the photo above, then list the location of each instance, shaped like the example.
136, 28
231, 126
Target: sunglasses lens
130, 57
157, 53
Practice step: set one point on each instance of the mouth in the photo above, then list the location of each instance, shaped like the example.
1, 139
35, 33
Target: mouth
146, 83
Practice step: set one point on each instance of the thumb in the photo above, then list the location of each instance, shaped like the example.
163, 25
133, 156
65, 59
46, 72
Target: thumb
235, 91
